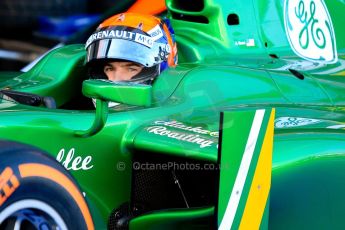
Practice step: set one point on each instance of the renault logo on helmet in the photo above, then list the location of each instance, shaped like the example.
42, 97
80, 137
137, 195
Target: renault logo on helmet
120, 34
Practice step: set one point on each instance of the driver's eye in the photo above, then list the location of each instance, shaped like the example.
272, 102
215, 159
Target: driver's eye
108, 68
130, 69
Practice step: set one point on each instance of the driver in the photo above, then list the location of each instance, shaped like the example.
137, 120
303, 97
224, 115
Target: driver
131, 47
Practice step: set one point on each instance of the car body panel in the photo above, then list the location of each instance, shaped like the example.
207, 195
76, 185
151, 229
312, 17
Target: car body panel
223, 68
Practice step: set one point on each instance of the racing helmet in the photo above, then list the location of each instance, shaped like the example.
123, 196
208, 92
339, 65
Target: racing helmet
140, 38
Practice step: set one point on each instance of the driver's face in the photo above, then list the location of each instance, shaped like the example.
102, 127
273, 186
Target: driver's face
121, 70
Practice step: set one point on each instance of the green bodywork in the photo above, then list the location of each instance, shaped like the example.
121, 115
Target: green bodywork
233, 56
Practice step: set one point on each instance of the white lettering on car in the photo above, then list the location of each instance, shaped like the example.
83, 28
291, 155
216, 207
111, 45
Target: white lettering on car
74, 163
310, 31
191, 138
180, 125
287, 122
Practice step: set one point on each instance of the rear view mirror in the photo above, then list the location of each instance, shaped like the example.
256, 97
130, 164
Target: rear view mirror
104, 91
122, 92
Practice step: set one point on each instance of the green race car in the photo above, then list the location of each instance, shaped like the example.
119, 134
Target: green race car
246, 132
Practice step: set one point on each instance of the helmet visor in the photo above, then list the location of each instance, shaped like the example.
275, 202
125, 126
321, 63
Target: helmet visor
124, 50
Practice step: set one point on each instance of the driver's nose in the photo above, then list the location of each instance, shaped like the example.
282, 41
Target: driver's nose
117, 75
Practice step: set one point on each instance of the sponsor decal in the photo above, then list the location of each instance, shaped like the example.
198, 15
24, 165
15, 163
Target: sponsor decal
309, 30
8, 184
121, 34
156, 33
162, 128
288, 122
164, 131
180, 125
143, 39
249, 42
70, 162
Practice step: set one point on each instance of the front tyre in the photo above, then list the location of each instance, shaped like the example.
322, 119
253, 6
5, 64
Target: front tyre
36, 192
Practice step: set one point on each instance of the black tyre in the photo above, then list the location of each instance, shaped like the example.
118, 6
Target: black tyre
36, 192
